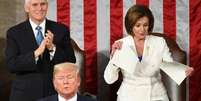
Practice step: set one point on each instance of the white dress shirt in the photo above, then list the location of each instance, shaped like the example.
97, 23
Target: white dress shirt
42, 25
60, 98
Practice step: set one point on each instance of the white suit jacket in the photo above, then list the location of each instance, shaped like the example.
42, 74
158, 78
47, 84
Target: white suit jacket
144, 82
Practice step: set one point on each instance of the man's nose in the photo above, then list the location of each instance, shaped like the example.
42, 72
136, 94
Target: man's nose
65, 80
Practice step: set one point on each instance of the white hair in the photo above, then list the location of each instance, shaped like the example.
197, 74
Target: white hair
27, 1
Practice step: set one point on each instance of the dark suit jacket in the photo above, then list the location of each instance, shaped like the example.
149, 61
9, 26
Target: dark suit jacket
79, 98
34, 79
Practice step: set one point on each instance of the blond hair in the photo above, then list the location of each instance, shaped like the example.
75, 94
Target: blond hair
66, 65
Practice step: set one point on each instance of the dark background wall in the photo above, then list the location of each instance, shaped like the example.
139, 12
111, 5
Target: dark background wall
11, 13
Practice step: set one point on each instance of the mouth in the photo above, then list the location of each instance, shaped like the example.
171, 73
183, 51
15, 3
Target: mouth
65, 88
41, 13
142, 34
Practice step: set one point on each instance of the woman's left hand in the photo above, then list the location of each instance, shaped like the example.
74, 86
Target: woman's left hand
189, 71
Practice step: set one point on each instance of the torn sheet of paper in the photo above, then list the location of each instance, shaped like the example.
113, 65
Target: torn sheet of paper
125, 58
175, 70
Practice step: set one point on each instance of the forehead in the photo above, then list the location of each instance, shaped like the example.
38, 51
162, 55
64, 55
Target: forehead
144, 19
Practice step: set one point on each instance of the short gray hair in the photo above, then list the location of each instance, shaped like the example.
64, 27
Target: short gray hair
27, 1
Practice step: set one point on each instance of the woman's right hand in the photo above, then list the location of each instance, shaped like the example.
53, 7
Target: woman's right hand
189, 71
116, 45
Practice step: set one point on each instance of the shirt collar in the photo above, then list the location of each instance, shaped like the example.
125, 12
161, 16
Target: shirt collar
74, 98
34, 25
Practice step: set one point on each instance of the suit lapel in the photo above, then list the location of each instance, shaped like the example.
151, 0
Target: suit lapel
146, 52
47, 26
147, 48
51, 27
80, 98
130, 42
30, 34
55, 98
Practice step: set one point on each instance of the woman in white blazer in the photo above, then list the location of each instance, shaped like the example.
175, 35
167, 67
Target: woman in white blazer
142, 82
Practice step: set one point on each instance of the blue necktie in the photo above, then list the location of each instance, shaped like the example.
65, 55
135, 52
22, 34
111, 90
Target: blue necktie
39, 35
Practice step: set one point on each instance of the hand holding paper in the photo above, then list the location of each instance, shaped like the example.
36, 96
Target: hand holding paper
189, 71
125, 59
175, 70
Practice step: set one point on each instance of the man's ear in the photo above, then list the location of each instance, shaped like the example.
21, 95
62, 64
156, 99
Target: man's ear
78, 80
26, 8
53, 81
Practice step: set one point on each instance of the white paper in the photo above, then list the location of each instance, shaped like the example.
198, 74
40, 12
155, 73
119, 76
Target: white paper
174, 70
125, 58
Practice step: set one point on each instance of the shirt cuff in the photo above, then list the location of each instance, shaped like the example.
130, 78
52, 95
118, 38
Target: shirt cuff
36, 59
52, 52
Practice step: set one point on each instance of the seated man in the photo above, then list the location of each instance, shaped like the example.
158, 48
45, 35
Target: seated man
66, 80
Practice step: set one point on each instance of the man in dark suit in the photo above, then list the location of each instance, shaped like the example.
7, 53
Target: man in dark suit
66, 80
33, 48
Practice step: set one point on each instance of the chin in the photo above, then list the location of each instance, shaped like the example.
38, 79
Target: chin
141, 37
40, 19
66, 92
